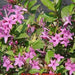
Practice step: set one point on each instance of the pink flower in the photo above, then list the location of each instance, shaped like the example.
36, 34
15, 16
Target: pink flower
18, 17
56, 39
45, 34
66, 33
30, 54
62, 37
67, 20
7, 63
53, 64
4, 35
19, 60
65, 42
58, 57
70, 66
34, 64
9, 21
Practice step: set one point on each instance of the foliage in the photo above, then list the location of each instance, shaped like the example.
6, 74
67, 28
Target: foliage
37, 44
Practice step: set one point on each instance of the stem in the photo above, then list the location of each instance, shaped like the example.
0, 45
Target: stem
5, 12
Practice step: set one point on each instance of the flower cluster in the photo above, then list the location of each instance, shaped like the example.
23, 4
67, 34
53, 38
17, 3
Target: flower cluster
12, 16
7, 63
21, 60
39, 43
54, 63
70, 66
62, 37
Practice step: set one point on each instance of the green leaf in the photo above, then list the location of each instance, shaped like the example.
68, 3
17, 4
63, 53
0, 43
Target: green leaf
65, 11
12, 58
71, 8
72, 60
72, 49
73, 1
31, 3
22, 35
38, 44
61, 69
30, 20
48, 4
68, 10
35, 7
33, 71
26, 3
42, 70
10, 53
49, 54
4, 47
19, 28
47, 17
58, 5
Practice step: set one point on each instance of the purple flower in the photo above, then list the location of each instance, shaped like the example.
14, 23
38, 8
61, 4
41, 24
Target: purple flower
70, 66
9, 21
19, 60
12, 16
18, 17
4, 35
65, 42
58, 57
18, 8
56, 39
62, 37
67, 20
45, 34
7, 63
53, 64
30, 54
34, 64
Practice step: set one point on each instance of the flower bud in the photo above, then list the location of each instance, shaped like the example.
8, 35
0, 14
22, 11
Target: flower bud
16, 42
